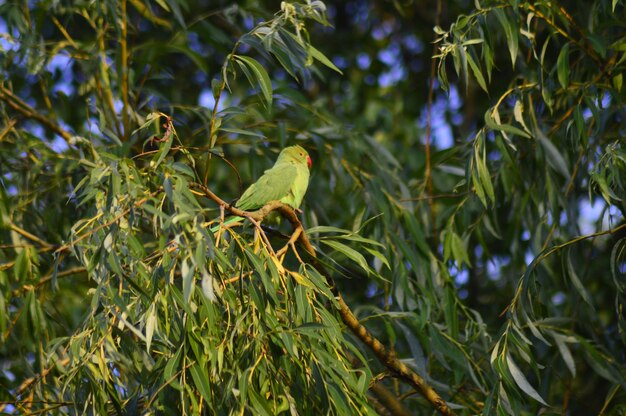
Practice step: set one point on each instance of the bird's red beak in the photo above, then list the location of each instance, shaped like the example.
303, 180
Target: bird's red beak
309, 162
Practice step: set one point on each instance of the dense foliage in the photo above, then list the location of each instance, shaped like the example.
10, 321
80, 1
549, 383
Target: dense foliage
466, 208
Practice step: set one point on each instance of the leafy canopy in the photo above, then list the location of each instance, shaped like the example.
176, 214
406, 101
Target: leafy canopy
473, 273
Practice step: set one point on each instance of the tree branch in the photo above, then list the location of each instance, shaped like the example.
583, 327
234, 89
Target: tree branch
386, 357
427, 133
389, 400
46, 278
257, 215
27, 111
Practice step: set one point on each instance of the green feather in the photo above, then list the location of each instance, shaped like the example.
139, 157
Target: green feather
287, 182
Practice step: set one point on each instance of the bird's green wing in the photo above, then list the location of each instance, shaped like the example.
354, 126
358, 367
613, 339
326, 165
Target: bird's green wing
274, 185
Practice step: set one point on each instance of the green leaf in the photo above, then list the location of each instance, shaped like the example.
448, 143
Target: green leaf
164, 150
598, 43
150, 209
510, 30
257, 77
259, 404
477, 73
554, 158
151, 321
172, 365
349, 252
208, 286
150, 119
601, 363
260, 268
251, 133
184, 169
504, 402
322, 58
478, 188
562, 65
565, 352
419, 238
619, 45
494, 353
618, 81
463, 64
617, 258
21, 265
507, 128
201, 380
174, 5
483, 173
458, 250
443, 346
522, 382
605, 189
309, 327
343, 233
582, 291
518, 114
380, 256
217, 87
187, 271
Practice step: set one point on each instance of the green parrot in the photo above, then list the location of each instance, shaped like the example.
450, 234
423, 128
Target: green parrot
286, 182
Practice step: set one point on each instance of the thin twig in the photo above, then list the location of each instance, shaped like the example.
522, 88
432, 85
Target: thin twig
20, 106
428, 133
215, 107
149, 15
580, 238
100, 227
579, 42
438, 196
107, 97
48, 277
28, 235
294, 237
266, 241
124, 51
389, 400
237, 278
295, 252
10, 124
29, 381
63, 31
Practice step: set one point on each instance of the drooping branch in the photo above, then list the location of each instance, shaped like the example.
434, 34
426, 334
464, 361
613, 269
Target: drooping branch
384, 355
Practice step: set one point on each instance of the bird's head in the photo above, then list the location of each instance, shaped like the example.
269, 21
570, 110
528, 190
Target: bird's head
295, 154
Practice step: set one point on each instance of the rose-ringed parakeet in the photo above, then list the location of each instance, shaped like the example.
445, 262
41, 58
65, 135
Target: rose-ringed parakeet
286, 182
